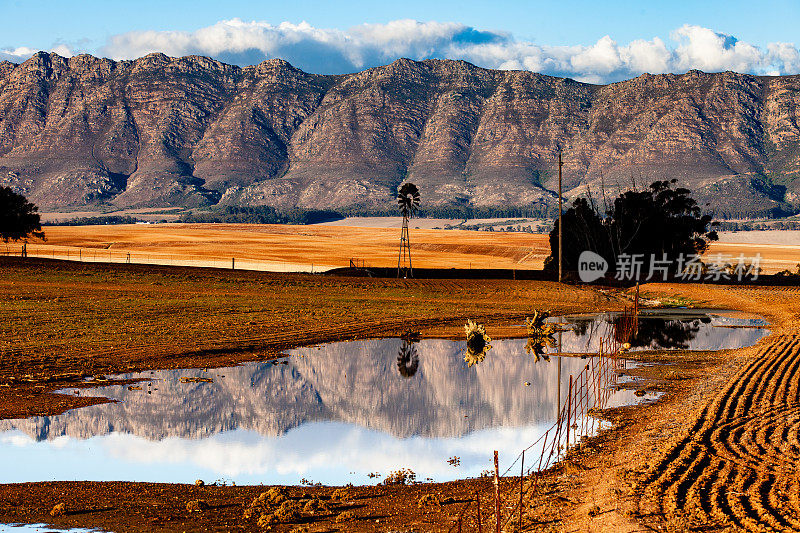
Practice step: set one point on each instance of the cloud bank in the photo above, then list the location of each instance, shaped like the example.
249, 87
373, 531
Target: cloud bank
332, 51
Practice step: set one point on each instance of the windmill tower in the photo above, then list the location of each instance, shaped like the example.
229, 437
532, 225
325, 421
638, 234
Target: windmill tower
408, 202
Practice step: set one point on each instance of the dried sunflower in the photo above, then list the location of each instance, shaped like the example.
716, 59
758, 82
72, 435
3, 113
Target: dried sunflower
477, 343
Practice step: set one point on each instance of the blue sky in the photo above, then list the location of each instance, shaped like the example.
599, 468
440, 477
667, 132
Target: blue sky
568, 37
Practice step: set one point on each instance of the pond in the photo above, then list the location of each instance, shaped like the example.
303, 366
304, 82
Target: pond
344, 412
42, 528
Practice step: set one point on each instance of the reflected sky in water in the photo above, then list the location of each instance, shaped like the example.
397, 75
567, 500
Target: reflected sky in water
43, 528
332, 414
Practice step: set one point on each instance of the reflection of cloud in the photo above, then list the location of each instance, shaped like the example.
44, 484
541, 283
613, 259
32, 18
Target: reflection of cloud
322, 451
15, 439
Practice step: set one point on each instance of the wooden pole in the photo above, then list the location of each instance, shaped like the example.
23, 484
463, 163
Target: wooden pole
560, 220
569, 411
496, 494
558, 385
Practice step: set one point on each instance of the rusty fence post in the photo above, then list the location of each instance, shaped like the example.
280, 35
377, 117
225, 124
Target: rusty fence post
569, 412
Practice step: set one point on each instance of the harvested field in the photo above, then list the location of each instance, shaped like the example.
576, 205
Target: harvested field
289, 248
283, 248
774, 257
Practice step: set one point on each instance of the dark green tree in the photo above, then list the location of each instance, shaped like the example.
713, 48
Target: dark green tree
656, 221
18, 217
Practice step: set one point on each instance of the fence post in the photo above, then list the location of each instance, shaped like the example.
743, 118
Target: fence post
521, 483
569, 412
496, 494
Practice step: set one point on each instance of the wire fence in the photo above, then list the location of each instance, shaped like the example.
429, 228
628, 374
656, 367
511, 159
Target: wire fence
108, 255
589, 391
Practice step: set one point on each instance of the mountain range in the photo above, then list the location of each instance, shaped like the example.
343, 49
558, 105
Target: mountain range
194, 132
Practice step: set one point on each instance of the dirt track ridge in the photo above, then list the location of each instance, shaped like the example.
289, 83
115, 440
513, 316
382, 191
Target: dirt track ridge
737, 464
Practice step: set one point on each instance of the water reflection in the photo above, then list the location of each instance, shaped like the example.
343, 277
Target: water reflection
477, 343
333, 413
407, 359
540, 335
538, 347
330, 410
681, 329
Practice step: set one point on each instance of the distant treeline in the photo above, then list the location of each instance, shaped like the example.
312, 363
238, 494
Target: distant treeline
729, 225
458, 212
772, 212
94, 221
262, 215
270, 215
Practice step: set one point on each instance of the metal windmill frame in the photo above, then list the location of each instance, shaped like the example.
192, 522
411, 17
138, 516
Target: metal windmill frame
405, 252
407, 201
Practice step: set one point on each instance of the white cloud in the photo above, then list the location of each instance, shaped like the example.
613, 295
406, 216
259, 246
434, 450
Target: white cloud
784, 58
704, 49
20, 54
325, 50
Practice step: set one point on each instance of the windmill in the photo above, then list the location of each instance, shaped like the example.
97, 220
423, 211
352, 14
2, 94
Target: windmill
408, 202
407, 359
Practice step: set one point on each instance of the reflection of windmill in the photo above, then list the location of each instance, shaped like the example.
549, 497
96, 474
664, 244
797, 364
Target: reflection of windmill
407, 359
408, 202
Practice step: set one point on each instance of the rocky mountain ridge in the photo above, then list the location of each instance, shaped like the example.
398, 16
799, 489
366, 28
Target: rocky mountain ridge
192, 131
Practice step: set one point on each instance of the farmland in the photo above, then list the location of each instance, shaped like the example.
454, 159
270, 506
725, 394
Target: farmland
714, 452
321, 247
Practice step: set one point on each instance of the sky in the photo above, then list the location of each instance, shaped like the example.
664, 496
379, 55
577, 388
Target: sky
594, 41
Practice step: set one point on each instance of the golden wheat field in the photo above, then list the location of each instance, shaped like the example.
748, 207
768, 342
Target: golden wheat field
289, 248
322, 247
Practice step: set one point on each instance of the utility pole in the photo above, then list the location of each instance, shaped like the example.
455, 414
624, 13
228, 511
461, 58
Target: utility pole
560, 225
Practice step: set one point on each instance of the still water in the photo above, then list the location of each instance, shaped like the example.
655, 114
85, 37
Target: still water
337, 413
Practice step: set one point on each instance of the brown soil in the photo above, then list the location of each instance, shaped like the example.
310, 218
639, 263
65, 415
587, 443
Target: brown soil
718, 451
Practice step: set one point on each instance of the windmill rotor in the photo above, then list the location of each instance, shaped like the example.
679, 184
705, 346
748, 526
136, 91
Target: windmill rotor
408, 199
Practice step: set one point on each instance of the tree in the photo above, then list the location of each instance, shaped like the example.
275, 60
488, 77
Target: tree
18, 217
657, 221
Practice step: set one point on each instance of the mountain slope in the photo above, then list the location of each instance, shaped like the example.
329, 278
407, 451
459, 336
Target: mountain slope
191, 131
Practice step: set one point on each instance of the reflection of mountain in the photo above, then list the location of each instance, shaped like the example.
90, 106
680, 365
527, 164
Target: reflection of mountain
355, 382
359, 383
